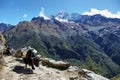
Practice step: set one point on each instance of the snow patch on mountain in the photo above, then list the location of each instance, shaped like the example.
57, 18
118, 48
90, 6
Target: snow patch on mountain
61, 20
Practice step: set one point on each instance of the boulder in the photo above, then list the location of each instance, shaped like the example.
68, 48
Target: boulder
55, 64
89, 75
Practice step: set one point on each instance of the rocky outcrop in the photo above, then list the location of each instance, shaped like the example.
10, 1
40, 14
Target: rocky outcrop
2, 49
55, 64
2, 39
15, 70
89, 75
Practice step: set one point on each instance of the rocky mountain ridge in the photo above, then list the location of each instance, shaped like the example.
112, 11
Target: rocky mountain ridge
4, 27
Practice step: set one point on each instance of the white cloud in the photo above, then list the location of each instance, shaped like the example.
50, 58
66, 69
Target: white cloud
118, 12
25, 16
105, 13
42, 14
61, 20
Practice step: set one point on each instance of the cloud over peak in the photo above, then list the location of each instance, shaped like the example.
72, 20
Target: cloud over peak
42, 14
25, 16
104, 12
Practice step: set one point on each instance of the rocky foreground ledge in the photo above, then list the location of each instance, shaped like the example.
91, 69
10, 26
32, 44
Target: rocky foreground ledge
15, 70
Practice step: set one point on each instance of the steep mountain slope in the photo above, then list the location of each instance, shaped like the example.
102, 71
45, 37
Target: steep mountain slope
110, 44
64, 41
117, 77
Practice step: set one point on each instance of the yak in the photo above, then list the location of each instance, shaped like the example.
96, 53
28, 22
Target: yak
31, 59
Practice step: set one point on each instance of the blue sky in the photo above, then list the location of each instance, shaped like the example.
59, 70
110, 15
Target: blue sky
14, 11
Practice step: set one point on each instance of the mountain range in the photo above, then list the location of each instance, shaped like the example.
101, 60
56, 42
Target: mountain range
86, 41
4, 27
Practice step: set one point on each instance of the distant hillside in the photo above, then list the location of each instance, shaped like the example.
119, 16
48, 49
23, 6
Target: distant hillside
77, 41
4, 27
